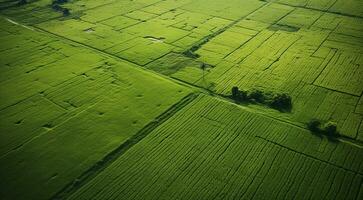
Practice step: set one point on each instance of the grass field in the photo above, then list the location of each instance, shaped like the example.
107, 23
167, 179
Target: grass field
120, 99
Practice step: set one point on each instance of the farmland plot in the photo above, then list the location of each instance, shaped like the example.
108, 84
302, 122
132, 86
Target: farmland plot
234, 154
65, 108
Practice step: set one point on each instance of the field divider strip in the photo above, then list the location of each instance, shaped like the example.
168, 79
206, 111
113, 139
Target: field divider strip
321, 10
309, 156
98, 167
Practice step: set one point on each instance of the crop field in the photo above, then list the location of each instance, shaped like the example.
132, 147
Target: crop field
181, 99
69, 106
215, 150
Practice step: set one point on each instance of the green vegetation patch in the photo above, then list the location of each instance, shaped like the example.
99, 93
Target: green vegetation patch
62, 116
213, 149
281, 102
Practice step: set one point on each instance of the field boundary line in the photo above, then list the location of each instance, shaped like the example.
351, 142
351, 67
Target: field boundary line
321, 10
309, 156
108, 159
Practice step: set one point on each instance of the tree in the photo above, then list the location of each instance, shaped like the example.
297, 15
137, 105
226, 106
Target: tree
257, 96
330, 129
203, 66
66, 12
235, 92
22, 2
282, 102
314, 125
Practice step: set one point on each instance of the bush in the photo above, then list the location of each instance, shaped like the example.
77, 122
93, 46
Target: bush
22, 2
203, 66
239, 95
330, 129
314, 126
235, 92
243, 96
191, 54
257, 96
282, 102
66, 12
59, 1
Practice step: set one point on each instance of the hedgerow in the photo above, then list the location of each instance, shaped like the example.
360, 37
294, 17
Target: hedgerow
281, 102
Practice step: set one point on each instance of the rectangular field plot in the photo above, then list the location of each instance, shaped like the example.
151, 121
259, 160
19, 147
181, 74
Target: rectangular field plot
343, 73
64, 108
215, 150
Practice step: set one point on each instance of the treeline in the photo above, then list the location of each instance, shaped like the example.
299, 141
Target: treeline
281, 102
57, 6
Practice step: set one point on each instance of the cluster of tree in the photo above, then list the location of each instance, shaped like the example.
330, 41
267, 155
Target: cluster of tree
281, 102
22, 2
328, 128
191, 52
57, 6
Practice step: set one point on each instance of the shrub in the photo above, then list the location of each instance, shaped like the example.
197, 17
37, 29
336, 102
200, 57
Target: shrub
57, 7
66, 12
235, 92
330, 129
257, 96
191, 54
243, 95
239, 95
59, 1
314, 126
22, 2
282, 102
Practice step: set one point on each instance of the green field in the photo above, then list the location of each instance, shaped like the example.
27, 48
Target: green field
133, 99
214, 150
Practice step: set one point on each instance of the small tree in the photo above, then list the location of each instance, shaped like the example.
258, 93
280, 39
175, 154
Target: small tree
282, 102
330, 129
235, 92
66, 12
22, 2
314, 125
257, 96
203, 66
243, 95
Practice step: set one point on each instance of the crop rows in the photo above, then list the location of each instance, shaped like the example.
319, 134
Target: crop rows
82, 117
265, 45
64, 108
317, 63
234, 154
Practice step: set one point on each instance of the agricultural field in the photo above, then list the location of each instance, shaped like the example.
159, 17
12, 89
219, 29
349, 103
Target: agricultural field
216, 150
176, 99
65, 108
